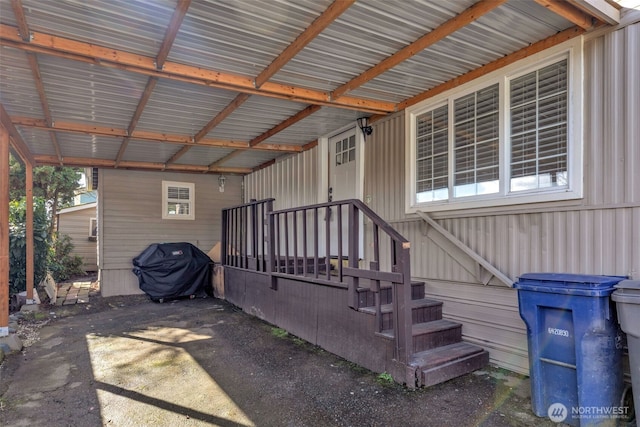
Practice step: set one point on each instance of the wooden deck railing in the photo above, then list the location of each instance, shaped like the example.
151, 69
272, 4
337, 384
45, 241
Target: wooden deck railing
300, 243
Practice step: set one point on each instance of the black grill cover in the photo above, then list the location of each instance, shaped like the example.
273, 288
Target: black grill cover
173, 270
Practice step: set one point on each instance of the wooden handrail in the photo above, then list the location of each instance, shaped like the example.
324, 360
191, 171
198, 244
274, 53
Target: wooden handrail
281, 230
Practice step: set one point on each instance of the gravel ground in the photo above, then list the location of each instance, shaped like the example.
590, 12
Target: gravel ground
126, 361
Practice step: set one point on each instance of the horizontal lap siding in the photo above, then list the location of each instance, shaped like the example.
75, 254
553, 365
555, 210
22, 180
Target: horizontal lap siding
131, 219
76, 225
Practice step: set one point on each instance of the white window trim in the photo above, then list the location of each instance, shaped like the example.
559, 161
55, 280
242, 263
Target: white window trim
91, 221
192, 200
573, 51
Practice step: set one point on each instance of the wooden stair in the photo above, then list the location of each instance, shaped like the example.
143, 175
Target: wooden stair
439, 354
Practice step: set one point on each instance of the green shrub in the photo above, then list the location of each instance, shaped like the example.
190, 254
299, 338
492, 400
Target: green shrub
62, 264
18, 243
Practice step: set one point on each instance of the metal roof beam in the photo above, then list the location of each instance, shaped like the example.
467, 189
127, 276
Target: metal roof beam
454, 24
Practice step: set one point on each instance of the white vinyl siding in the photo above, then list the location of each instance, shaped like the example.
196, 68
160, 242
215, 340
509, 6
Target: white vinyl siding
178, 200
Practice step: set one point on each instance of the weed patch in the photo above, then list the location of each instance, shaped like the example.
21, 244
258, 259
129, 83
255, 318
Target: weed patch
385, 379
279, 332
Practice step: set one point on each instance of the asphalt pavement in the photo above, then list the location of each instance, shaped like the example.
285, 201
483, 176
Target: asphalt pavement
127, 361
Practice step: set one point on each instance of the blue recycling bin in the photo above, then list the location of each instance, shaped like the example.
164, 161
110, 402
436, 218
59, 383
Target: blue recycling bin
575, 347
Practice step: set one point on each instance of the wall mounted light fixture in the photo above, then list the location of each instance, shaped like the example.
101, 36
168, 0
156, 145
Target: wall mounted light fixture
363, 123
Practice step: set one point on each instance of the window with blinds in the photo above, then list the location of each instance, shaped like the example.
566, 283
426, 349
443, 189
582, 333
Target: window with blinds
476, 136
539, 128
514, 139
432, 155
178, 200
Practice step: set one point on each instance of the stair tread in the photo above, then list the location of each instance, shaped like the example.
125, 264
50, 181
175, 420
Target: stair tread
426, 327
435, 357
434, 326
388, 308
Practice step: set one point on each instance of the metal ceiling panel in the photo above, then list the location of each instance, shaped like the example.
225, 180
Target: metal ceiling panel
182, 108
6, 13
256, 116
148, 151
485, 40
203, 156
89, 146
81, 92
38, 140
360, 38
133, 26
252, 159
244, 36
18, 93
320, 123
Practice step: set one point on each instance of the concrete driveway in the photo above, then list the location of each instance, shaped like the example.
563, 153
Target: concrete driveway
127, 361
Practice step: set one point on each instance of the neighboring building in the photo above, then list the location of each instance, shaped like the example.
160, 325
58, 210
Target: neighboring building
80, 223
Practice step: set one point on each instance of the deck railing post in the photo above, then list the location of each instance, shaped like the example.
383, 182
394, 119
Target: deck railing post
271, 238
402, 303
253, 259
223, 237
354, 241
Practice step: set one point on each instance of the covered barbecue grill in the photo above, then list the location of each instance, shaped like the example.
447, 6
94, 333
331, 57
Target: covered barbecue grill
173, 270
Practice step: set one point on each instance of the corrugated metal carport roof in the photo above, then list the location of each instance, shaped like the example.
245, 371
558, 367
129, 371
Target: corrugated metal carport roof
229, 86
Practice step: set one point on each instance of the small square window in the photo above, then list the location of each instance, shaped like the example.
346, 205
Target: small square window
178, 200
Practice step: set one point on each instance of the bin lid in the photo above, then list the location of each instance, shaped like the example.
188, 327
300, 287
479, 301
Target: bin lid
627, 291
571, 284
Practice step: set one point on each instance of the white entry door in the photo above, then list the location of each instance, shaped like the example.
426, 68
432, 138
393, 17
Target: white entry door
344, 182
